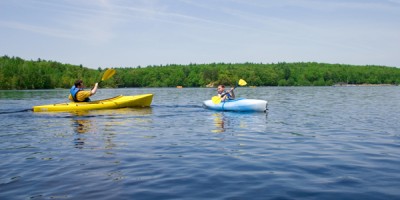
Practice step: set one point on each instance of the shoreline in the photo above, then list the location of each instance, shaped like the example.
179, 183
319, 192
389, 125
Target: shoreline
364, 84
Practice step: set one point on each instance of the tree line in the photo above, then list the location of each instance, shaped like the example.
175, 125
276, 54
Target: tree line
16, 73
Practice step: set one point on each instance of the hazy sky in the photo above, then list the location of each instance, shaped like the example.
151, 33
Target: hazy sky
128, 33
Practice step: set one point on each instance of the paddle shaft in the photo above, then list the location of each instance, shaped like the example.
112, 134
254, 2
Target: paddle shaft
107, 74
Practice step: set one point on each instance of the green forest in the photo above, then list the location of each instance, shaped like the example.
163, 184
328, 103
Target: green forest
17, 73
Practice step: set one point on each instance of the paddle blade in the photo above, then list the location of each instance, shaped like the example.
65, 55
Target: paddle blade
108, 74
216, 99
242, 82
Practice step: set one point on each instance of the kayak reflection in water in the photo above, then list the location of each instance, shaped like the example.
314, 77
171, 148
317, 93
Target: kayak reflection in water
77, 93
225, 94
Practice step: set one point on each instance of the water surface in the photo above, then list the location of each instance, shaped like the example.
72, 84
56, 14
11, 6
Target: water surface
313, 143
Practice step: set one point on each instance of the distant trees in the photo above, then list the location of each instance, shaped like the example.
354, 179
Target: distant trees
16, 73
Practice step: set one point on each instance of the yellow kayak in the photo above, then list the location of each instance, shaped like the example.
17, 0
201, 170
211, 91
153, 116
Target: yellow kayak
143, 100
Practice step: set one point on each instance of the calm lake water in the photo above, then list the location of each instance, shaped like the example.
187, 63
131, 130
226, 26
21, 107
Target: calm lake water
313, 143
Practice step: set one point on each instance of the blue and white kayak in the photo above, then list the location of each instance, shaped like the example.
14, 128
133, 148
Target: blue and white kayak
240, 105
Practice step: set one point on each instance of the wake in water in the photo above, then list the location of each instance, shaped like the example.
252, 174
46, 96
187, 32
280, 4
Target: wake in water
177, 106
14, 111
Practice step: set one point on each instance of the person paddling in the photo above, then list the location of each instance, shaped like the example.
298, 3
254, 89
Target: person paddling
77, 93
225, 94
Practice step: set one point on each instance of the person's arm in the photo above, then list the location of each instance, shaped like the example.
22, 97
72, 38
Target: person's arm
70, 97
232, 93
94, 90
223, 98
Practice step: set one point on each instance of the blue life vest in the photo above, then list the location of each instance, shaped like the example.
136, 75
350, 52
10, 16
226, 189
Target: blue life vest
74, 90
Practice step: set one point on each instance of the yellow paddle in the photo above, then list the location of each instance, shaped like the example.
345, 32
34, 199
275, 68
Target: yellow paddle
107, 74
217, 99
242, 82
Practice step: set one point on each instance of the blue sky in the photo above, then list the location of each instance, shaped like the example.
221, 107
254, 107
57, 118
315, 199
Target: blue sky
129, 33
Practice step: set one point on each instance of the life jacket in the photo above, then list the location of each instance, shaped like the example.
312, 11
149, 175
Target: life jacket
74, 90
